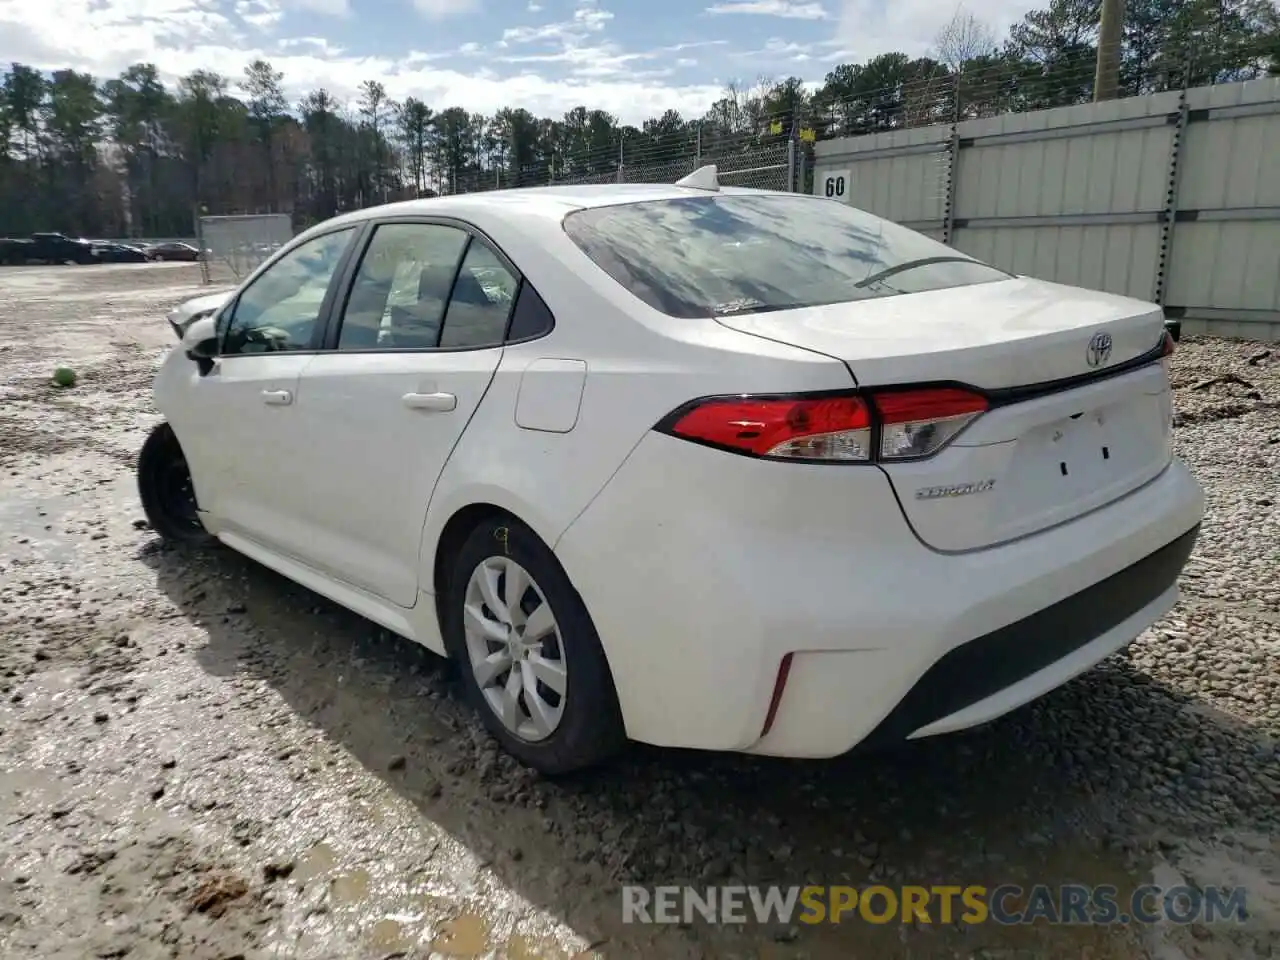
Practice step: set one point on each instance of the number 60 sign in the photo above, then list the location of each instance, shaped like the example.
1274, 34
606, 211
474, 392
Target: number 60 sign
834, 184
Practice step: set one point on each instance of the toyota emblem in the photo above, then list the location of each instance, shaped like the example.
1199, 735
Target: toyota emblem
1099, 351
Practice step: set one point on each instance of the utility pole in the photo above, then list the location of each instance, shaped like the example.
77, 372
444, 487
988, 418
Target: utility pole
1106, 79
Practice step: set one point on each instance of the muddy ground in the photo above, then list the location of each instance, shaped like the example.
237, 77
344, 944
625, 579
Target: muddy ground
201, 760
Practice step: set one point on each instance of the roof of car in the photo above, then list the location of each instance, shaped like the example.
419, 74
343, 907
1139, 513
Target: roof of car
549, 201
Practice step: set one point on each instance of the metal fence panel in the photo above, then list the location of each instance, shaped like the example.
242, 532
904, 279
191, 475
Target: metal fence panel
1172, 197
241, 243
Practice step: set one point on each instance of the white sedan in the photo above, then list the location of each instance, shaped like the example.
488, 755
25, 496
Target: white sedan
695, 466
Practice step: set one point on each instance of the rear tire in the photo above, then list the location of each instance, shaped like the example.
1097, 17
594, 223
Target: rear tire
553, 731
166, 490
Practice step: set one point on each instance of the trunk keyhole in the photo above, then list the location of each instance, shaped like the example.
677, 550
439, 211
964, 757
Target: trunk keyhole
1106, 454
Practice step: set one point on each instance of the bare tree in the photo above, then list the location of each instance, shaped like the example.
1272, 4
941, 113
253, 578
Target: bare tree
964, 38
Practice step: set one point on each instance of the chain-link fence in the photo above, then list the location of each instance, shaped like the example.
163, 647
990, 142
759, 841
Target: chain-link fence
240, 243
742, 161
766, 139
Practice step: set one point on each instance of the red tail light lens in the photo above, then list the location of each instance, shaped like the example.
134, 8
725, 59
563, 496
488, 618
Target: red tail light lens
840, 429
805, 428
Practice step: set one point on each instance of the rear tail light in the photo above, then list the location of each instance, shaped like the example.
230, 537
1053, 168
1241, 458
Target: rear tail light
831, 428
919, 423
804, 428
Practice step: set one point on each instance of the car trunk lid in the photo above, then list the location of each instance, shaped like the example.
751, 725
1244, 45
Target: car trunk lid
1079, 411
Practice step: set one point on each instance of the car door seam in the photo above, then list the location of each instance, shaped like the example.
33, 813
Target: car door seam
595, 496
493, 373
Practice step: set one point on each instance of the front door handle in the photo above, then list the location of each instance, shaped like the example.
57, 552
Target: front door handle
277, 398
430, 401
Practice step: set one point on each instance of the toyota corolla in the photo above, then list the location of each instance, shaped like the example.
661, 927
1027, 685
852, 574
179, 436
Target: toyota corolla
695, 466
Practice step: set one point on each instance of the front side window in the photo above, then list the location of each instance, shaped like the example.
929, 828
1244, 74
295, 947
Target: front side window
280, 308
731, 254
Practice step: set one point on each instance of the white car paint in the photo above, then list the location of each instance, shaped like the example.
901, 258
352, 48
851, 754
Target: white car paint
704, 570
550, 395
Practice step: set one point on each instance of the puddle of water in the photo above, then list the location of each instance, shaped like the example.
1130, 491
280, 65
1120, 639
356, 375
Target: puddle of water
522, 948
350, 888
390, 936
316, 862
346, 889
466, 935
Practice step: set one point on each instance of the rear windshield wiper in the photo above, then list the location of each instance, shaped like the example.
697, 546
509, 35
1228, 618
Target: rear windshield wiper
911, 265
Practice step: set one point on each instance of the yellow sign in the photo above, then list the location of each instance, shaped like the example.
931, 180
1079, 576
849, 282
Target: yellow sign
808, 135
775, 126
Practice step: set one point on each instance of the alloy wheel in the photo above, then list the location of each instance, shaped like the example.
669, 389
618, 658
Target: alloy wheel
514, 648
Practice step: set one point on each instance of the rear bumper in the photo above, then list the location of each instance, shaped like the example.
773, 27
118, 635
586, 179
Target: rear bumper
702, 571
991, 675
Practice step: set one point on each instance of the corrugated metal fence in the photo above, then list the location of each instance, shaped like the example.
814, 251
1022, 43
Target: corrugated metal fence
1172, 197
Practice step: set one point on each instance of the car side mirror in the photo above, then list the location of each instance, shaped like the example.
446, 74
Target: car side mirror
200, 343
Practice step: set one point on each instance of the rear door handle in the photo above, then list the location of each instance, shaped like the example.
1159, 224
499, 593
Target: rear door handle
277, 398
430, 401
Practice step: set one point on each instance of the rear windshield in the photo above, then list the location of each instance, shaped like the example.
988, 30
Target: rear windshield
727, 254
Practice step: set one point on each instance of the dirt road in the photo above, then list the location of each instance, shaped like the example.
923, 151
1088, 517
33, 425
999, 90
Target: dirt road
201, 760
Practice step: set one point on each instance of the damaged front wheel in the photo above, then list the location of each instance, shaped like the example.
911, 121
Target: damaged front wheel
167, 492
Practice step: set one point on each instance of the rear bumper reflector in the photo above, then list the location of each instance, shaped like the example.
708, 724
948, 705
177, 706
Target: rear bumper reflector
779, 685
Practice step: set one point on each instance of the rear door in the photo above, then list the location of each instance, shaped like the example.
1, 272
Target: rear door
411, 354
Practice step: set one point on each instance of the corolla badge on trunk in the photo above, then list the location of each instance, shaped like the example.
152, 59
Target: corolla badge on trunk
955, 490
1099, 350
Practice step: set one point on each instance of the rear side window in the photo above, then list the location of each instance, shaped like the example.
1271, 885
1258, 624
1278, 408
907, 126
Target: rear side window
531, 317
481, 301
728, 254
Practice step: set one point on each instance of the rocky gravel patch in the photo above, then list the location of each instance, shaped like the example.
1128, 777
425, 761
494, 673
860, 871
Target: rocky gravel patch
200, 759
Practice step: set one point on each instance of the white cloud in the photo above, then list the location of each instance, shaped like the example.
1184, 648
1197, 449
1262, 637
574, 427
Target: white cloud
180, 36
870, 27
777, 50
577, 42
788, 9
439, 9
317, 45
534, 7
258, 13
329, 8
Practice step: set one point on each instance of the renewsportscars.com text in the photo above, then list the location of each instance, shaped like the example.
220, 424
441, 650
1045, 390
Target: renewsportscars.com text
1006, 904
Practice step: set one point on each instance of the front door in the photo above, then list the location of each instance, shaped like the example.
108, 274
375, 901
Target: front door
414, 353
268, 334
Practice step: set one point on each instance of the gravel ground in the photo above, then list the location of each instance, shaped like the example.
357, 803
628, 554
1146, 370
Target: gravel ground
202, 760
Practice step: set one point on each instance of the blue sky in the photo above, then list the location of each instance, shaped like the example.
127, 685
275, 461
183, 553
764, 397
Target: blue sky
634, 58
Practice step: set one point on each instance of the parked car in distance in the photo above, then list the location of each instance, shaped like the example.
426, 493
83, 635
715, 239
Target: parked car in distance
173, 251
46, 248
13, 252
108, 252
701, 467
